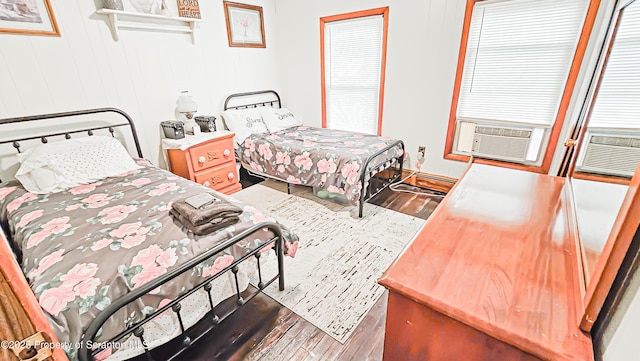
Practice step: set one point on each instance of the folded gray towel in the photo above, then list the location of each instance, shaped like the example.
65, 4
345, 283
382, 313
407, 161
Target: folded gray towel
206, 213
213, 225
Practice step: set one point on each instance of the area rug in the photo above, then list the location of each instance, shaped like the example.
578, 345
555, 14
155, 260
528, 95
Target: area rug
332, 281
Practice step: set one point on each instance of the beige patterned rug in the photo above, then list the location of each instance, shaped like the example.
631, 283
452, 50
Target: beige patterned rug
332, 280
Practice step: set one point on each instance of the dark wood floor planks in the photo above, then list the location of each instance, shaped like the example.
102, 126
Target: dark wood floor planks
285, 320
370, 330
283, 335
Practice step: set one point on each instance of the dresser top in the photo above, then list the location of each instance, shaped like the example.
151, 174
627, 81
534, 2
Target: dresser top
500, 255
191, 140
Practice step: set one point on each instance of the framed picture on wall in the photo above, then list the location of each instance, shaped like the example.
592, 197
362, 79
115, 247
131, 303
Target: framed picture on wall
33, 17
245, 26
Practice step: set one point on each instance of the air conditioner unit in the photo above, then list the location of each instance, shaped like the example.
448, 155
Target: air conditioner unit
612, 154
501, 142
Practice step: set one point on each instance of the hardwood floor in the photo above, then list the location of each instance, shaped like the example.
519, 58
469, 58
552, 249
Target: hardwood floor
264, 330
419, 205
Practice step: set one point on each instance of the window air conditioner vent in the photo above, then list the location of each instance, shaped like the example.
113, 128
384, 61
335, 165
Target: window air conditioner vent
502, 143
504, 132
616, 141
614, 155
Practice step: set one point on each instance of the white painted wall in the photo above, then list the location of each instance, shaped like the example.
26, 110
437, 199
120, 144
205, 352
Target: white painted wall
422, 54
142, 73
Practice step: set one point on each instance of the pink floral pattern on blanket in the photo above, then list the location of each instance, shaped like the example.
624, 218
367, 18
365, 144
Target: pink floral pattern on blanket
319, 157
84, 247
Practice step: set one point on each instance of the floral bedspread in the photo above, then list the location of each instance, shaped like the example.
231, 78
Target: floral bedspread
86, 246
318, 157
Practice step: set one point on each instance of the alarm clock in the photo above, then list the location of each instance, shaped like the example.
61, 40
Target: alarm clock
207, 123
173, 129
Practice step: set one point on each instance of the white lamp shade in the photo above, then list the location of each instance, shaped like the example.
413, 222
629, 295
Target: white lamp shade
186, 105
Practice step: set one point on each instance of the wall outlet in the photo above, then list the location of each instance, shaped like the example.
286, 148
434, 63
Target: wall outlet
421, 150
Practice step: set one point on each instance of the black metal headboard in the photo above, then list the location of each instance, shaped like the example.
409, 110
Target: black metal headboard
248, 100
67, 134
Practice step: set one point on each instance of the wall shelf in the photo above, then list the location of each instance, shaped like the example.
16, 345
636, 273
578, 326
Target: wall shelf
128, 20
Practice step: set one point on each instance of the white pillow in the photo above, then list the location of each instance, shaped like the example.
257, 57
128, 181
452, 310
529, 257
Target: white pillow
279, 119
53, 167
244, 122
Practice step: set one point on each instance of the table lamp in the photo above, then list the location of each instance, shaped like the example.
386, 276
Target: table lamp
185, 105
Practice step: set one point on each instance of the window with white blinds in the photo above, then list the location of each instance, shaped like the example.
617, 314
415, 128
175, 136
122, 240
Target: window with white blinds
516, 64
617, 102
519, 53
353, 65
611, 144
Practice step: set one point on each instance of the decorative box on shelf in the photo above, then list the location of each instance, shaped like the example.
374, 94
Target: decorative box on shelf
206, 158
189, 9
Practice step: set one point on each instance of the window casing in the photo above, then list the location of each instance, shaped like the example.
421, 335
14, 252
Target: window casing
353, 61
518, 64
611, 144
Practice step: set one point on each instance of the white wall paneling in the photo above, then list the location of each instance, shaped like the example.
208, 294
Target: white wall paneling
142, 73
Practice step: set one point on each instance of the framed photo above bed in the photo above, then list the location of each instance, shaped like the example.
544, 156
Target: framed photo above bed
32, 17
245, 25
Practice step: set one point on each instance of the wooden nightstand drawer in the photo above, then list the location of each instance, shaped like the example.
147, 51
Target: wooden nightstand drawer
211, 154
218, 177
210, 162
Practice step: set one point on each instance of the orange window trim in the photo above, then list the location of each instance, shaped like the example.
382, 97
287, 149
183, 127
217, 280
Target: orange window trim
601, 178
564, 103
353, 15
582, 174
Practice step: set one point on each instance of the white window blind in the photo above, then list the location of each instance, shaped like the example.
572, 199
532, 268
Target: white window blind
353, 60
617, 103
519, 53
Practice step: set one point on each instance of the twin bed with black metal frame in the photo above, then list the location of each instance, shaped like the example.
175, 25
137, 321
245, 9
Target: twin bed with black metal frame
185, 260
366, 156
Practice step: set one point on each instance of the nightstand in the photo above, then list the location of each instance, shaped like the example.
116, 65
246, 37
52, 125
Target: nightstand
206, 158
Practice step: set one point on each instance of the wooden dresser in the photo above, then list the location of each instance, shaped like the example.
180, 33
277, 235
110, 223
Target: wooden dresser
493, 275
20, 314
209, 161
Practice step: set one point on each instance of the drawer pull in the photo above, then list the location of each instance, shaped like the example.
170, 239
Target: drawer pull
230, 175
212, 155
227, 152
216, 180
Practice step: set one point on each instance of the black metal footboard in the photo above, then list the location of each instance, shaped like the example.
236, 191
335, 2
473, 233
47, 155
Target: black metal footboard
89, 347
369, 171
